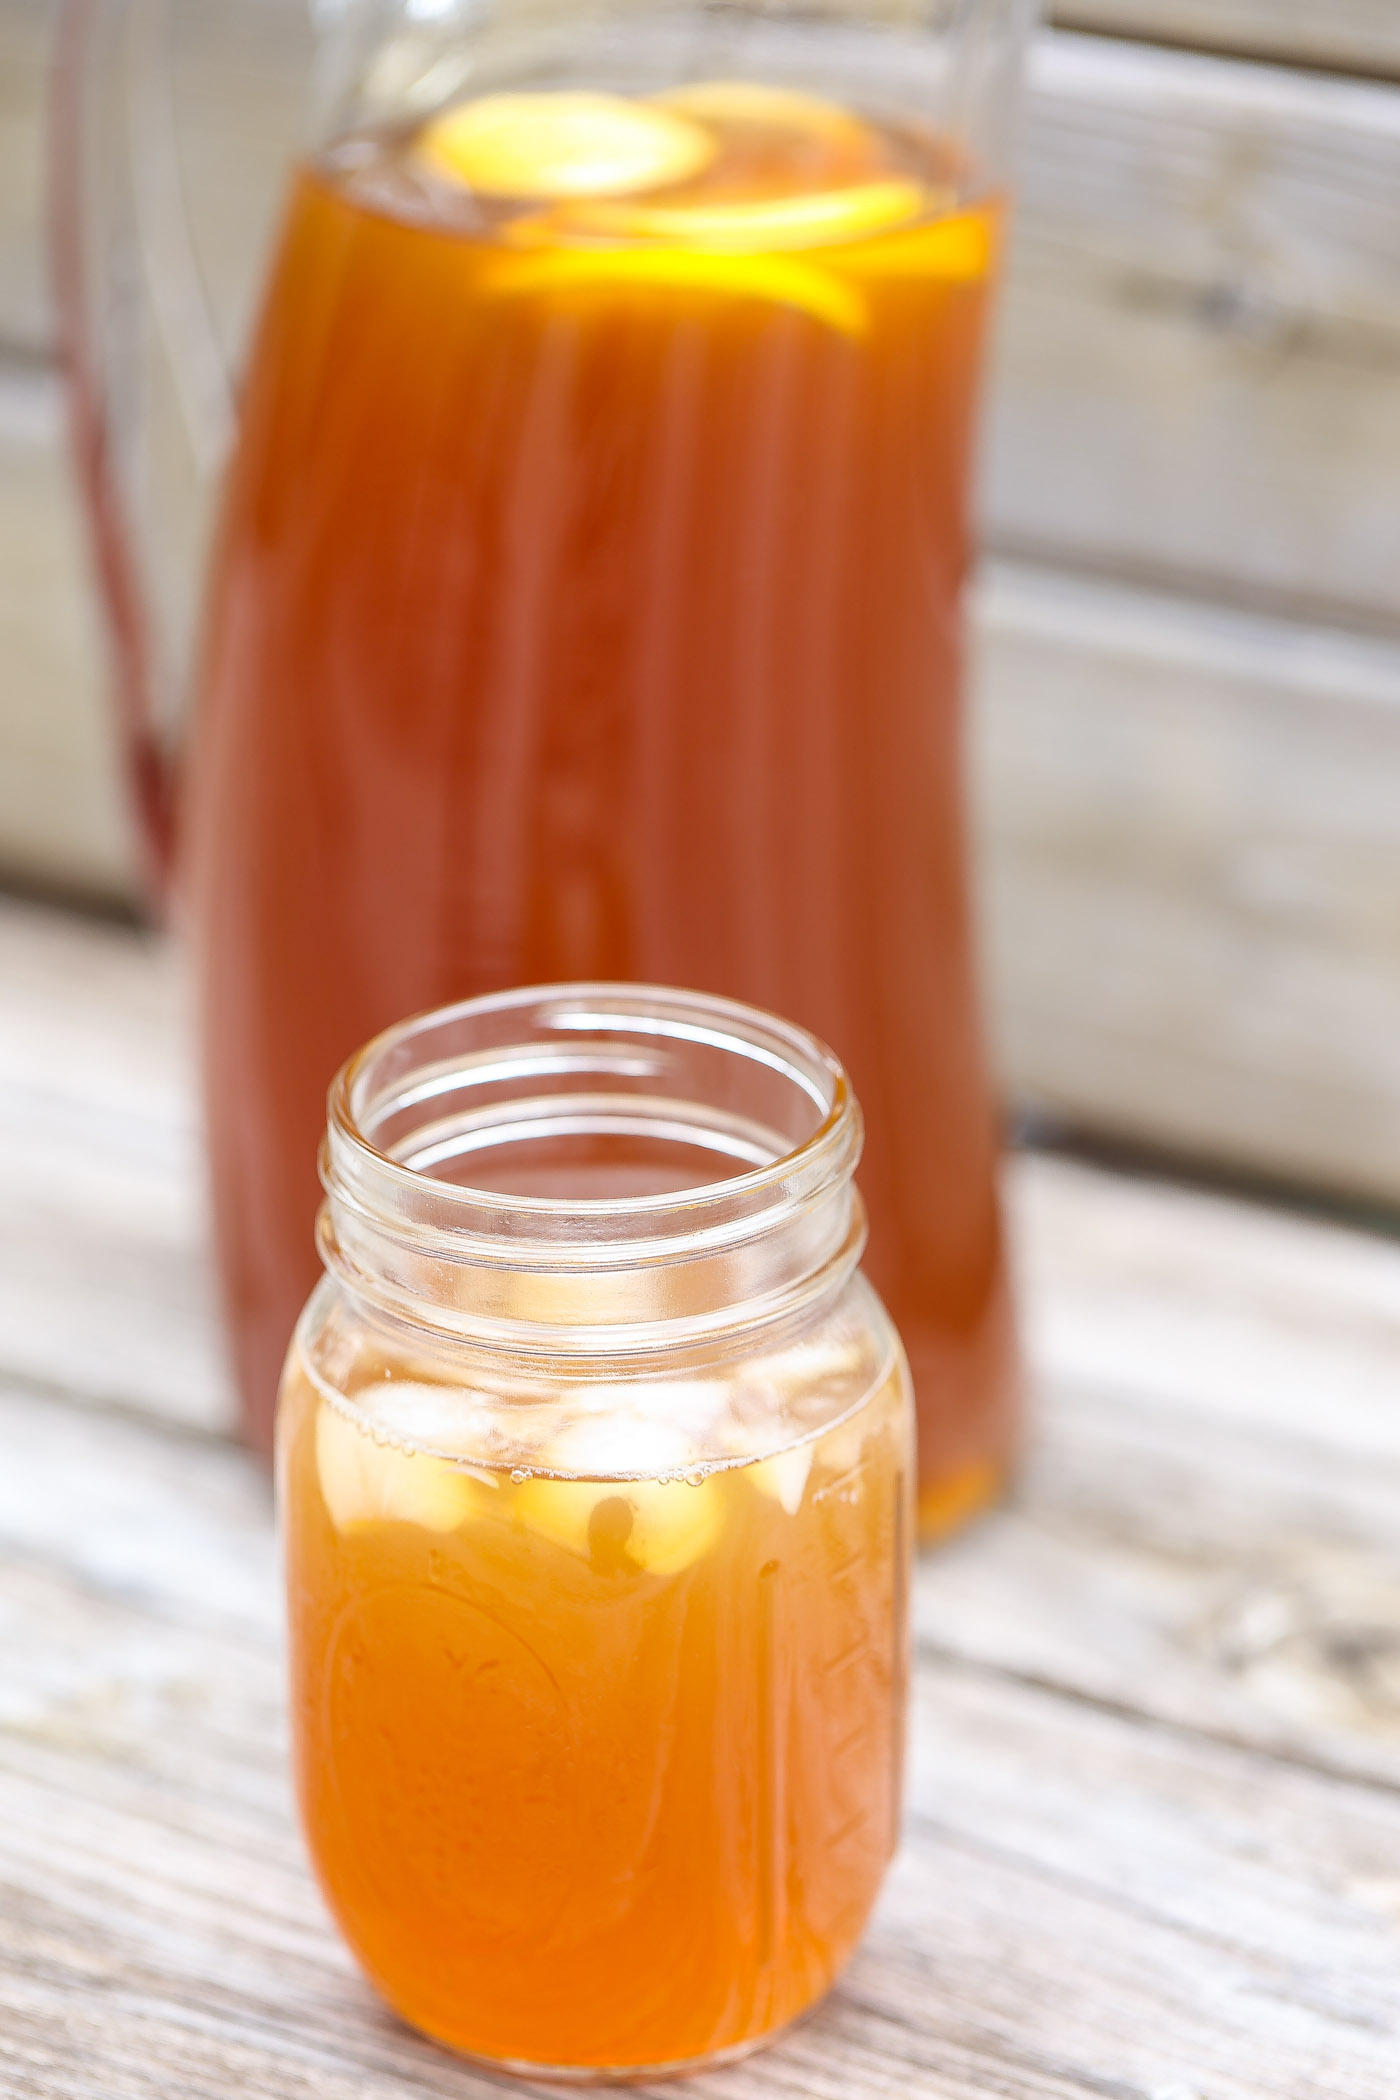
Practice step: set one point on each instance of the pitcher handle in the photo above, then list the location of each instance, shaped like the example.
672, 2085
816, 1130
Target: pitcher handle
112, 124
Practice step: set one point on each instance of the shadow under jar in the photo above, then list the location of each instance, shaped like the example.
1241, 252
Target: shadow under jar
596, 1461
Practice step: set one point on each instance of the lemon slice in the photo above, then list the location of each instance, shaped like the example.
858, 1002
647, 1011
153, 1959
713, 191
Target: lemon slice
959, 247
798, 221
618, 1525
757, 105
564, 145
363, 1482
776, 279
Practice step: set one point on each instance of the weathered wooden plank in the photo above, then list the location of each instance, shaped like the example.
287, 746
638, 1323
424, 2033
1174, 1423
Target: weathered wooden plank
1190, 843
1208, 1529
1200, 353
24, 304
104, 1286
239, 104
1359, 35
62, 817
236, 114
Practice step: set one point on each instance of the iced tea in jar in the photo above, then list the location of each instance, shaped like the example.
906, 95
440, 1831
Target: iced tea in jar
595, 1460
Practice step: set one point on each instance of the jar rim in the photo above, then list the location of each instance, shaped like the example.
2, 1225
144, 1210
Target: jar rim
643, 1010
690, 1074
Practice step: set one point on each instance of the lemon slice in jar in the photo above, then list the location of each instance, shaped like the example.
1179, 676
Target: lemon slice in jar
365, 1482
564, 144
661, 1526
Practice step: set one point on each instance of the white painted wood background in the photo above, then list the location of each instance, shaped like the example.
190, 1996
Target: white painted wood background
1187, 738
1153, 1842
1363, 35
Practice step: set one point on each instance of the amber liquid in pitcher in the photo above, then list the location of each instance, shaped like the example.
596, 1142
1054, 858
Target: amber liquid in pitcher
586, 605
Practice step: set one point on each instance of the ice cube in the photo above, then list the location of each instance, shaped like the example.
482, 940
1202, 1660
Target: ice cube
446, 1420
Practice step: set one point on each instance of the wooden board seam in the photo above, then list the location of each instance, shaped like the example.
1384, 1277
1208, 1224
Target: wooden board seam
928, 1648
1102, 22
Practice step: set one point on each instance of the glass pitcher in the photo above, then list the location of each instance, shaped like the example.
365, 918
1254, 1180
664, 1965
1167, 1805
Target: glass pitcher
584, 598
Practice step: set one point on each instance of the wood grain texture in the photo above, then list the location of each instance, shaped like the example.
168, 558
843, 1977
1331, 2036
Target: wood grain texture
1190, 843
238, 109
25, 322
1357, 35
1153, 1842
62, 816
104, 1287
1199, 365
1209, 1532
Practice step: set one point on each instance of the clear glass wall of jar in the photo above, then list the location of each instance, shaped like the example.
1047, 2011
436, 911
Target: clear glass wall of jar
595, 1458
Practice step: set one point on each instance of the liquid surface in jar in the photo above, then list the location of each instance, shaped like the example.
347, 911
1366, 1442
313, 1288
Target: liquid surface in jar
598, 1759
586, 606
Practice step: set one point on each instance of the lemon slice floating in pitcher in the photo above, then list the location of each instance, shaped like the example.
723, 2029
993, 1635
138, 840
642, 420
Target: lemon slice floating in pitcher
757, 105
805, 219
958, 247
777, 280
564, 144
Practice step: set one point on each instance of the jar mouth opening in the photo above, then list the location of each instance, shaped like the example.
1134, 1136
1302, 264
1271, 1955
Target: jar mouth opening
602, 1107
541, 1163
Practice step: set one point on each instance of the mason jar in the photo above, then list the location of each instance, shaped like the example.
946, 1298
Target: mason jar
595, 1462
